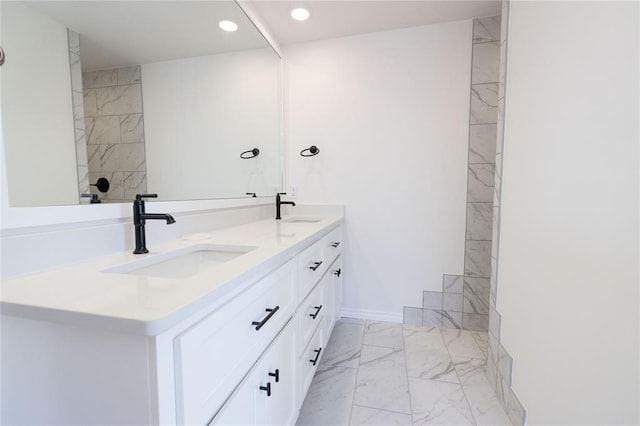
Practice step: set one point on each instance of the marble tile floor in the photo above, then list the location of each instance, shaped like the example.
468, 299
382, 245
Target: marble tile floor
380, 373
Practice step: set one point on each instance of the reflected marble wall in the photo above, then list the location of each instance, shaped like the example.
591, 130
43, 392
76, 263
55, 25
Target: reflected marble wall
114, 128
78, 114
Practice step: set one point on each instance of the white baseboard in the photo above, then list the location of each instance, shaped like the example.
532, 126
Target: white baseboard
371, 315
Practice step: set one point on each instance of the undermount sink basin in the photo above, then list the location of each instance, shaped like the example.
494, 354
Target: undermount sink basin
182, 263
302, 220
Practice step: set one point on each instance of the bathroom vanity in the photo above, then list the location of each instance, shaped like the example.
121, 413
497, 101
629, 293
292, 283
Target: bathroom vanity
217, 328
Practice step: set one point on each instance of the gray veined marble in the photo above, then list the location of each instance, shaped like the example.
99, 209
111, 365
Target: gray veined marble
462, 343
427, 356
79, 110
482, 143
344, 347
330, 396
494, 322
74, 42
411, 315
516, 412
76, 72
484, 103
477, 262
103, 130
452, 283
374, 417
485, 405
476, 295
432, 317
90, 103
102, 78
121, 157
479, 221
486, 29
128, 75
81, 148
134, 183
382, 380
452, 319
470, 370
116, 185
477, 322
432, 300
434, 402
131, 128
505, 363
486, 63
480, 183
116, 100
83, 179
385, 334
452, 302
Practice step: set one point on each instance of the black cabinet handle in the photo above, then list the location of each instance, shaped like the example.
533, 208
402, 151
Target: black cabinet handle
317, 351
276, 375
337, 272
266, 388
336, 244
259, 324
317, 308
315, 266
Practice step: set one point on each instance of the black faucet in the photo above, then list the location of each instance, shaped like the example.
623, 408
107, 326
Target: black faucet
279, 203
139, 218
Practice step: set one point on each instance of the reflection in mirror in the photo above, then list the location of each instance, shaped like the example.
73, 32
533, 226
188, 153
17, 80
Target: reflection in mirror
150, 96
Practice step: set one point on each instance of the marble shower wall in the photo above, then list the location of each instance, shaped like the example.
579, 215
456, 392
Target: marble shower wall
78, 114
115, 132
464, 299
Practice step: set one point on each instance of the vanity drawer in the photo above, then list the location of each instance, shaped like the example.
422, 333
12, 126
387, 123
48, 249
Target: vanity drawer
310, 313
310, 361
311, 266
332, 245
212, 356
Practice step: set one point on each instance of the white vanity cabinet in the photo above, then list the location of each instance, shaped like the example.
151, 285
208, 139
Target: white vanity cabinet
248, 360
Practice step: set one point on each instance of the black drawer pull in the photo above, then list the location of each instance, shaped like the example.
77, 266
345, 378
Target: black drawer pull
317, 308
267, 318
276, 375
336, 244
337, 272
315, 266
266, 388
317, 351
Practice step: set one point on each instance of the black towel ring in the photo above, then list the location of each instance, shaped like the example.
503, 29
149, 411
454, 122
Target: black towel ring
313, 150
252, 153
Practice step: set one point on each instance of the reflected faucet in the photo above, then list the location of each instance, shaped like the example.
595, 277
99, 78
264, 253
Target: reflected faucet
280, 202
139, 219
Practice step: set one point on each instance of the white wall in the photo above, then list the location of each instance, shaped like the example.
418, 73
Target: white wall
568, 274
38, 117
390, 114
222, 105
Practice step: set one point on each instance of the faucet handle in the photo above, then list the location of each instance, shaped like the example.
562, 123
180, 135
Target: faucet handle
281, 193
139, 197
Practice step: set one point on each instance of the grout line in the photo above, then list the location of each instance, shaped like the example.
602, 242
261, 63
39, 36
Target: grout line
473, 417
353, 395
406, 372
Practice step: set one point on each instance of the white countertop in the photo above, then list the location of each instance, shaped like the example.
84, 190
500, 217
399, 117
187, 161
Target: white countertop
83, 294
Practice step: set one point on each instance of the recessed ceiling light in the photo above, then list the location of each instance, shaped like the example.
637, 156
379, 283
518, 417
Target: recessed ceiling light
300, 14
228, 25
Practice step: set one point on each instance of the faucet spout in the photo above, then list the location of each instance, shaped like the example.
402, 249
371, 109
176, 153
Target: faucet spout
158, 216
140, 216
279, 203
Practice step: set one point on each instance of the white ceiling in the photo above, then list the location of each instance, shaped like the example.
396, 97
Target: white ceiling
118, 33
339, 18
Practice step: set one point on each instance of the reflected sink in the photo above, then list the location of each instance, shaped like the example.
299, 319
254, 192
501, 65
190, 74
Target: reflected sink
182, 263
302, 220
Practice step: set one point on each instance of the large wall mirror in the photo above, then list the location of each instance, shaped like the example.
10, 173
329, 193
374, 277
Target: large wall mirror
114, 98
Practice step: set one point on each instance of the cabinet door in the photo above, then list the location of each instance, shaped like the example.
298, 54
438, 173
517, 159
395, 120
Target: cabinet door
336, 274
276, 382
240, 409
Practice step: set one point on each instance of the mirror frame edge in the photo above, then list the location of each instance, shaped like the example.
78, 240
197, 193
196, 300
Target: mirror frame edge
15, 218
